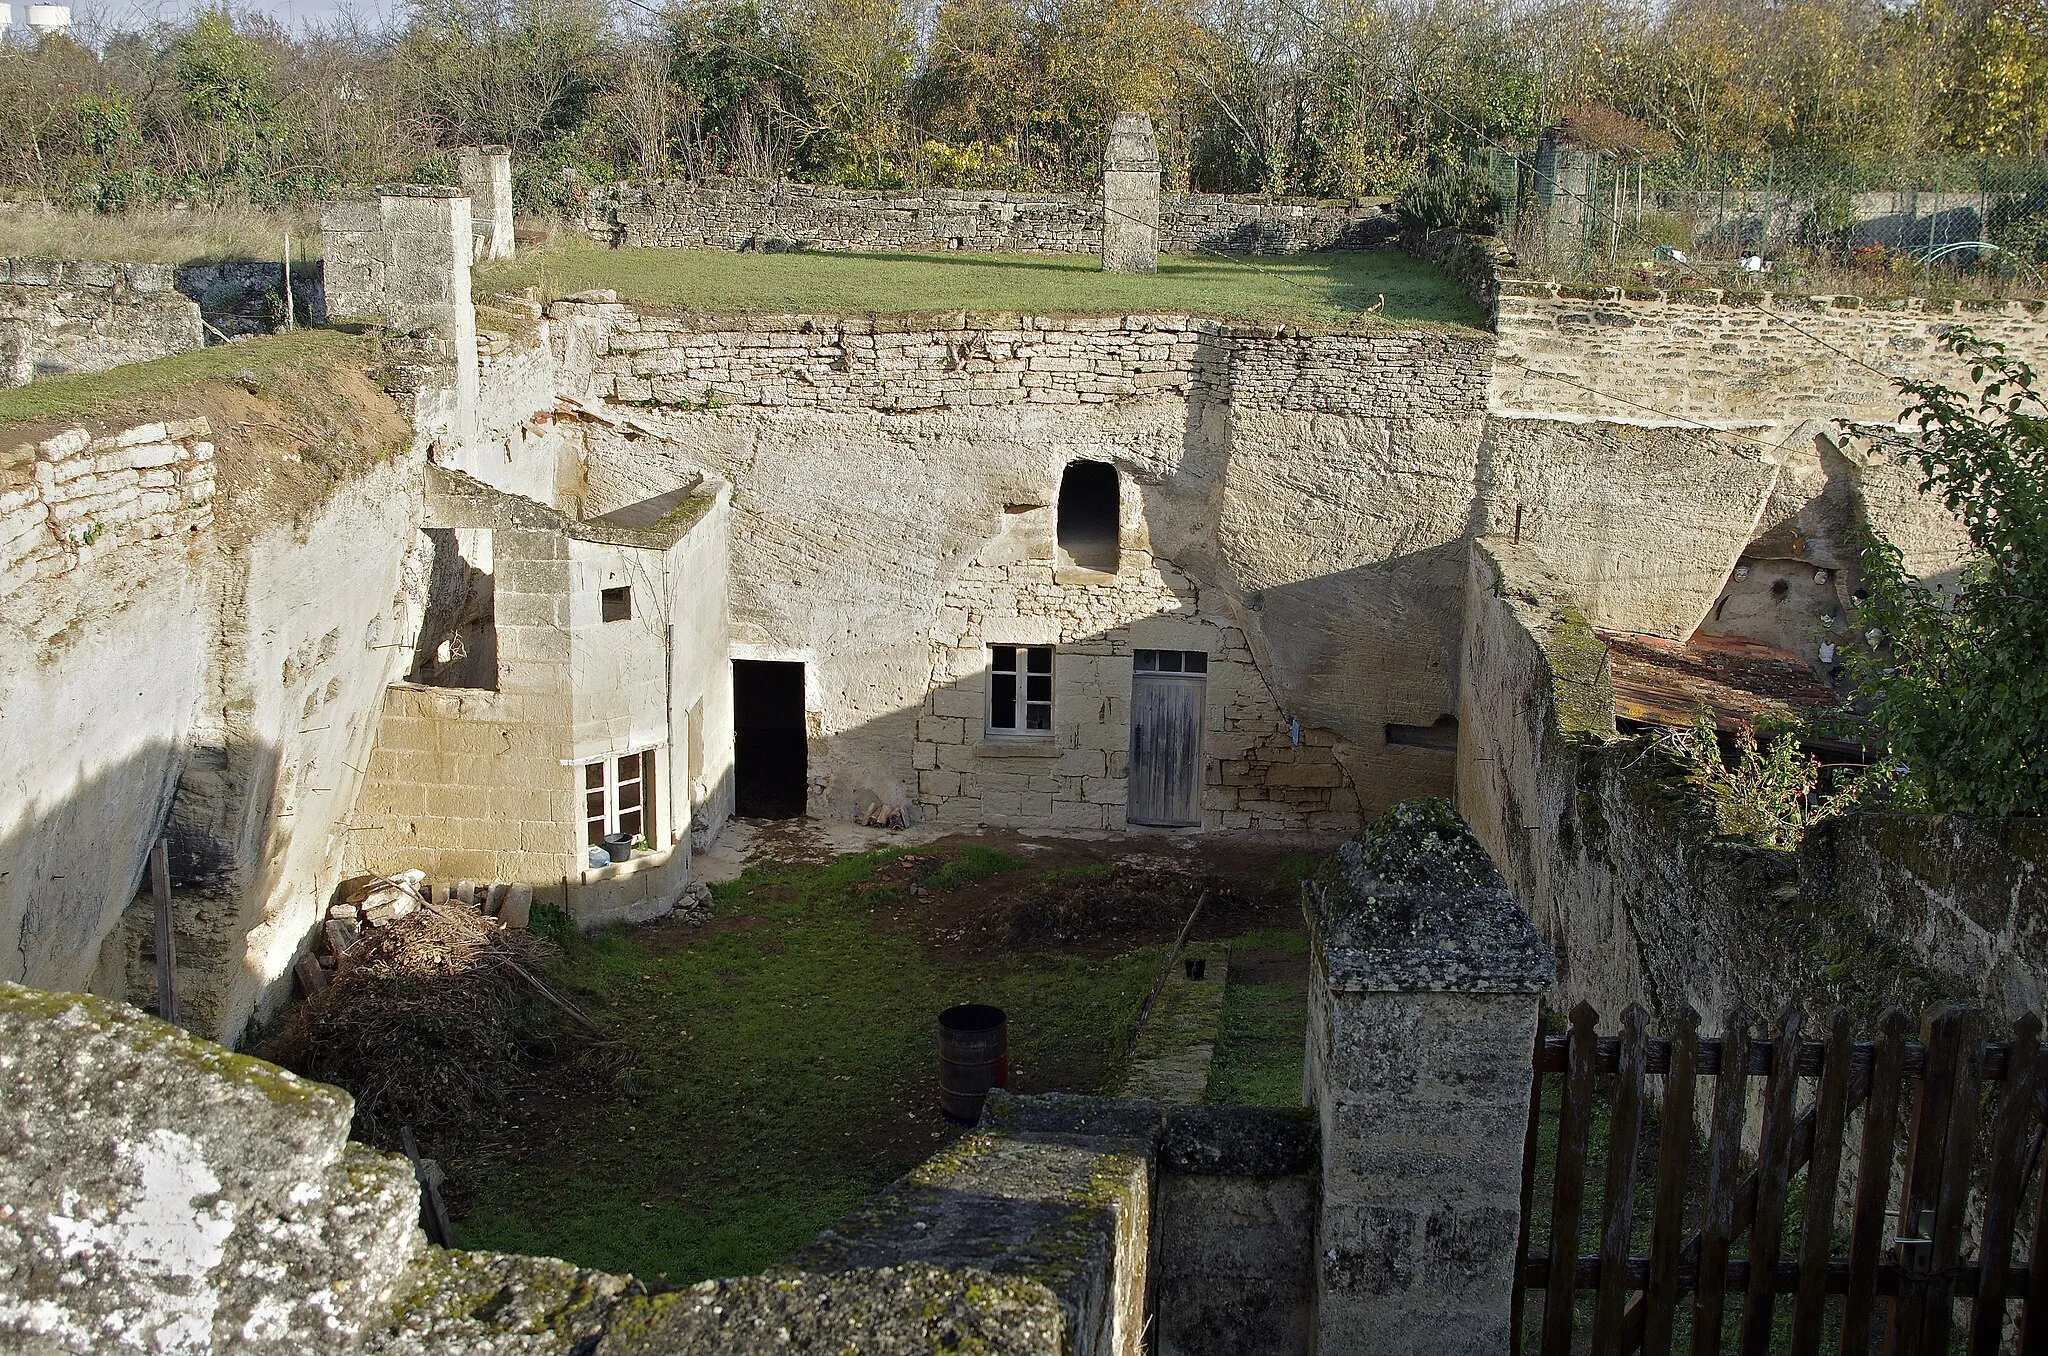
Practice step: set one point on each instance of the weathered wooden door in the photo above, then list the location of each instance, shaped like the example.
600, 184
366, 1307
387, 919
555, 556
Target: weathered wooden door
1167, 691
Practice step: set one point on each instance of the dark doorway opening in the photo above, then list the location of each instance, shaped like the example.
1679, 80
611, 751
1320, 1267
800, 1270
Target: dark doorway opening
770, 764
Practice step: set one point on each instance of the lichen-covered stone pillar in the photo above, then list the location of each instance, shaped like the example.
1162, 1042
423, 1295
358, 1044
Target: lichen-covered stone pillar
486, 174
1422, 1018
1130, 196
402, 259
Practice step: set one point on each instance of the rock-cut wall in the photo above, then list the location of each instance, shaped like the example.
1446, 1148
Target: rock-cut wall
1290, 504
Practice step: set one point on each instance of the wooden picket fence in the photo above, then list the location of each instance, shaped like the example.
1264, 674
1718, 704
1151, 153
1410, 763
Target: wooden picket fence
1973, 1119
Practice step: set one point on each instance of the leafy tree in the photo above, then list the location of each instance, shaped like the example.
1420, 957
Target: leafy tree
1957, 686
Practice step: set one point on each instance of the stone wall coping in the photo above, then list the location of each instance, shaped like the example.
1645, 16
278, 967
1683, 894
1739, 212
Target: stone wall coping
1534, 289
917, 197
1414, 905
826, 324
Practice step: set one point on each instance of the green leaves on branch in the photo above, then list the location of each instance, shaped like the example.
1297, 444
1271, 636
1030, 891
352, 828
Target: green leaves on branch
1956, 678
1768, 792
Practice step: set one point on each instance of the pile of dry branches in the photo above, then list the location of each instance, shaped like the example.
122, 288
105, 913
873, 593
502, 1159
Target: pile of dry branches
421, 1021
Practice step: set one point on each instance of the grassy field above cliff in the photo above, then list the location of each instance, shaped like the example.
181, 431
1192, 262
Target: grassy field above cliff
1315, 290
308, 358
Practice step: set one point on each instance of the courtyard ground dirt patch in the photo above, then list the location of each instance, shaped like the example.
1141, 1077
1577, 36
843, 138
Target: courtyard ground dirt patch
770, 1070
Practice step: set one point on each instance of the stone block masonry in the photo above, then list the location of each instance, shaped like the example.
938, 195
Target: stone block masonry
86, 496
1130, 197
766, 214
1713, 355
1422, 1016
968, 361
59, 316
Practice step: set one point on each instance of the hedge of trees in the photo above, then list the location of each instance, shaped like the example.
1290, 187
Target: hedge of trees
1321, 97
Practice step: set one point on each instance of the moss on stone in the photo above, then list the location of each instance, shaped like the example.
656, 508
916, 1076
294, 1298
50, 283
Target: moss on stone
1580, 689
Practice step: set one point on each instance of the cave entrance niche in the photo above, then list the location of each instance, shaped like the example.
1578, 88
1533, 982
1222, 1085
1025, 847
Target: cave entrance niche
1089, 515
770, 756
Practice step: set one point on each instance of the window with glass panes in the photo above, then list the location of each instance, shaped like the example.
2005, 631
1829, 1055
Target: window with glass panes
1170, 661
1020, 689
618, 796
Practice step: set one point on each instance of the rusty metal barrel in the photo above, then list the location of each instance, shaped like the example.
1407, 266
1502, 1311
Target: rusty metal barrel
974, 1056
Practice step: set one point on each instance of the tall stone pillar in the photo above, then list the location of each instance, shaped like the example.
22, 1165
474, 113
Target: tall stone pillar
402, 259
486, 174
1566, 177
1130, 196
1422, 1022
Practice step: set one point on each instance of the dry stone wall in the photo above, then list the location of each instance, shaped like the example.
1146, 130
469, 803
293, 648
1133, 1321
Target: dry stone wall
89, 495
720, 213
59, 316
1714, 355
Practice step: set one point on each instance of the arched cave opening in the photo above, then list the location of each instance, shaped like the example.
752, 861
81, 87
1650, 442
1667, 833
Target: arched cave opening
1088, 515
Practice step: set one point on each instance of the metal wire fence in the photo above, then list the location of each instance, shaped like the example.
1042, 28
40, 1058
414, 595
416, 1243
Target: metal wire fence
1582, 212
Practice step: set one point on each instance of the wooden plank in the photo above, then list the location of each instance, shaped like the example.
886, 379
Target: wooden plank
2034, 1294
1568, 1194
1607, 1052
1959, 1147
1784, 1278
1518, 1303
433, 1211
1926, 1156
166, 936
1773, 1172
1817, 1227
1623, 1135
2011, 1141
1873, 1184
1674, 1151
1717, 1214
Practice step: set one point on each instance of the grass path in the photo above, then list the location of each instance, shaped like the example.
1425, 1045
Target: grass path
1322, 290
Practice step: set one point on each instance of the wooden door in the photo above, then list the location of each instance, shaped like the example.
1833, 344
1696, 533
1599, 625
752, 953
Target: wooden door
1166, 741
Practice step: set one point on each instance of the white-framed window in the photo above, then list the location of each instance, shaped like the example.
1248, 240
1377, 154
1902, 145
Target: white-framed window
618, 797
1020, 689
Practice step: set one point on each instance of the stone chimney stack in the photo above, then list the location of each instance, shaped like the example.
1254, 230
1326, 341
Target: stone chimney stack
1130, 196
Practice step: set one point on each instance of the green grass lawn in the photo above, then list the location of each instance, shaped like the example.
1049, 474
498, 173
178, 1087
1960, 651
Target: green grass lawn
273, 361
1316, 290
1261, 1034
771, 1072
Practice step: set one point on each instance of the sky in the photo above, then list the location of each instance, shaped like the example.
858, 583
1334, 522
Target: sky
293, 14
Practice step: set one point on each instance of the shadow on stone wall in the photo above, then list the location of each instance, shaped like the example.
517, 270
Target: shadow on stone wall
75, 908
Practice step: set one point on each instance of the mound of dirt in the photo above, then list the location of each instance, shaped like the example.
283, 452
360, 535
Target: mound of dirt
420, 1022
1131, 897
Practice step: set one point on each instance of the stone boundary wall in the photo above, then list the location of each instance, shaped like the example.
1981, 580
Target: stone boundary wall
1711, 354
919, 363
86, 315
1619, 860
1040, 1233
88, 495
1969, 896
721, 213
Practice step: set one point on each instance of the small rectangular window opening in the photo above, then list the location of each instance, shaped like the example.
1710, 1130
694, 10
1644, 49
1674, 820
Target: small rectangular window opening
1170, 661
616, 604
618, 797
1020, 698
